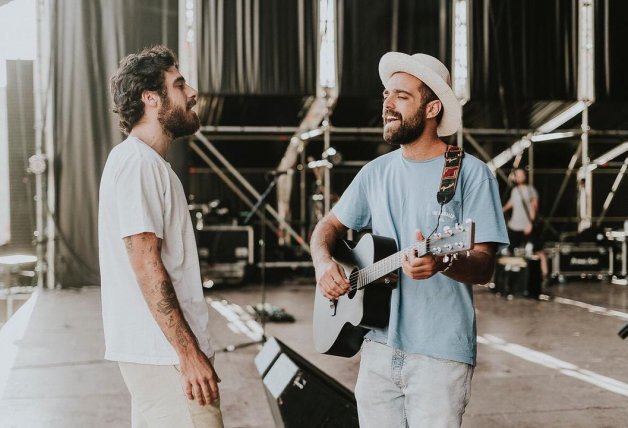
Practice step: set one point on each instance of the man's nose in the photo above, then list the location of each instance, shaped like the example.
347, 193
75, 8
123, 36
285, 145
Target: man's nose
388, 104
193, 93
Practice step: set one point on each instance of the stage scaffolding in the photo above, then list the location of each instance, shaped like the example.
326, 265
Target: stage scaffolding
550, 130
317, 121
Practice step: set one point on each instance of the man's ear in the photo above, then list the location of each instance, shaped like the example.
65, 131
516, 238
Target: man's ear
433, 109
150, 98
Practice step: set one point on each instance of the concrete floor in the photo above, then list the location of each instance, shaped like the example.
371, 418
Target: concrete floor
556, 363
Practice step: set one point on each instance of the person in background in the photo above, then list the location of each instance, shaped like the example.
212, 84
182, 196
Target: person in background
524, 203
155, 318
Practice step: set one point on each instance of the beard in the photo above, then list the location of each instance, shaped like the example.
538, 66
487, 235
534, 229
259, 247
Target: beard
176, 121
409, 129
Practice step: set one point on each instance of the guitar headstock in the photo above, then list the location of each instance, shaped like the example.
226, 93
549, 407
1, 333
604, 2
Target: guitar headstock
452, 240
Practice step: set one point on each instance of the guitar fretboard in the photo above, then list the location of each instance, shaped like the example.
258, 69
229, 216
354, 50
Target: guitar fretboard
388, 264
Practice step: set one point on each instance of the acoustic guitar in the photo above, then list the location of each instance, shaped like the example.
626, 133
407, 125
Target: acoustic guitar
340, 325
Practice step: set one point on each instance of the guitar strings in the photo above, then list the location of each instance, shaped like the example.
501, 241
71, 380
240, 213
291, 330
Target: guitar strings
354, 276
356, 273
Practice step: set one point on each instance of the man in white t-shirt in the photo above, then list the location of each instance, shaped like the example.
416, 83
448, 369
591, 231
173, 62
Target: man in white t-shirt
154, 315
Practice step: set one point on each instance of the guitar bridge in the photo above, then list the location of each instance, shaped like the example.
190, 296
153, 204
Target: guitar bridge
333, 304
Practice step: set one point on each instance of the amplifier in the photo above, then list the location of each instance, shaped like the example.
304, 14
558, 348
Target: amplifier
225, 244
225, 253
517, 276
581, 260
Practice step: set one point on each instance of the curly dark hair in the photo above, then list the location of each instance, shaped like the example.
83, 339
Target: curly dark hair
139, 72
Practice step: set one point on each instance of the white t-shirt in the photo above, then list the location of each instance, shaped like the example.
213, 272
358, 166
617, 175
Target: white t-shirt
139, 192
521, 198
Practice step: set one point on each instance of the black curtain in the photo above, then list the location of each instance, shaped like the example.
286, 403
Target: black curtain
20, 109
611, 55
89, 38
523, 51
370, 31
253, 47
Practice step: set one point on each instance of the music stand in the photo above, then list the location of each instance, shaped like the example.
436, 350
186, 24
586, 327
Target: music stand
261, 202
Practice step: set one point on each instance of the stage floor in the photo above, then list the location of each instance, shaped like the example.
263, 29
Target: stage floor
557, 363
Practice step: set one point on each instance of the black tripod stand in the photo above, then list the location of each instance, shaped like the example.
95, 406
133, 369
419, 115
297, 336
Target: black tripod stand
261, 202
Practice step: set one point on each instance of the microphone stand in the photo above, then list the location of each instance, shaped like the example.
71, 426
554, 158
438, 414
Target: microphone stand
261, 202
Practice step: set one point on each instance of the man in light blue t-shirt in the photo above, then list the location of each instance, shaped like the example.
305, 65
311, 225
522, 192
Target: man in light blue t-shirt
418, 370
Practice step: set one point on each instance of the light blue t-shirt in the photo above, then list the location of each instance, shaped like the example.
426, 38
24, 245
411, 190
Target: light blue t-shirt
394, 197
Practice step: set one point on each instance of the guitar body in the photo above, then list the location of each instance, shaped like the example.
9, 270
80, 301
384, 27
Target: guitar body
340, 327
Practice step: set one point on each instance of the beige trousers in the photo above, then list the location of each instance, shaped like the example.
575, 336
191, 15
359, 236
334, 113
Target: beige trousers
158, 400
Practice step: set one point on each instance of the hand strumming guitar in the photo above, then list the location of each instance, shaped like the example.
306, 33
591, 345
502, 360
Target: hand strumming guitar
332, 280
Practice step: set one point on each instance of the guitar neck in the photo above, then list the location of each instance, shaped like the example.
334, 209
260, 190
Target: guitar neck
451, 241
389, 264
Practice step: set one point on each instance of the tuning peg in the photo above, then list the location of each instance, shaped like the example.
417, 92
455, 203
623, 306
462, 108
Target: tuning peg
448, 247
447, 231
459, 227
436, 250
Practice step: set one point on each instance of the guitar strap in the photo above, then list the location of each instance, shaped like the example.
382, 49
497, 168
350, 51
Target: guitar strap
449, 178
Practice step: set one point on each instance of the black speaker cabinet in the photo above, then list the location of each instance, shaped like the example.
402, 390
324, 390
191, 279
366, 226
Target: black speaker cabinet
518, 276
581, 260
225, 253
300, 395
225, 244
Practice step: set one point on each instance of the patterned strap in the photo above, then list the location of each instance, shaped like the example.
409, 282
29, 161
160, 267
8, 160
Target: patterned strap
449, 178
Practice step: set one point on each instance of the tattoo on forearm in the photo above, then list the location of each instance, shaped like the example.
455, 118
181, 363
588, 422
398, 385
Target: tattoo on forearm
182, 337
169, 302
158, 289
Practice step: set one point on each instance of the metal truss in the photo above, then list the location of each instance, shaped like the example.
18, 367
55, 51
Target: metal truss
586, 96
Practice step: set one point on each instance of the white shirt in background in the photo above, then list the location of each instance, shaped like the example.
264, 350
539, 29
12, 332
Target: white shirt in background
521, 198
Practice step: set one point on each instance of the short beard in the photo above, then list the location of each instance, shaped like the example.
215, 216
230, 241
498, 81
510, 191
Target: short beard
177, 122
408, 130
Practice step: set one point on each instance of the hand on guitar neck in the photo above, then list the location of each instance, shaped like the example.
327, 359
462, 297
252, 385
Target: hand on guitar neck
422, 267
334, 283
476, 268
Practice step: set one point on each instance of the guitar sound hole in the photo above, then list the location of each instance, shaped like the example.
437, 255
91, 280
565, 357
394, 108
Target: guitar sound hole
353, 278
351, 294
